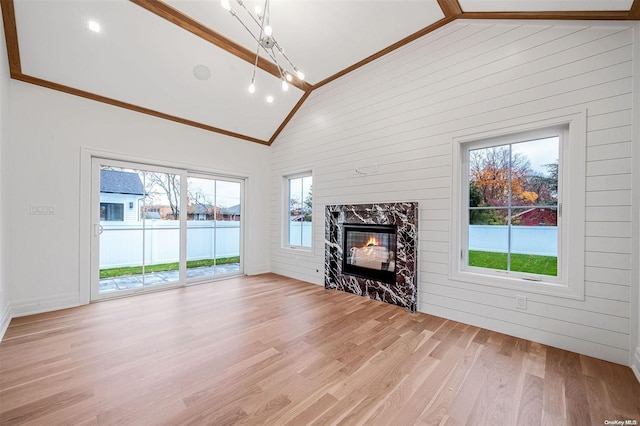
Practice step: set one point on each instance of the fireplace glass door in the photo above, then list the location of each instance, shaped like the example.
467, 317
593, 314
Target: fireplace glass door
370, 252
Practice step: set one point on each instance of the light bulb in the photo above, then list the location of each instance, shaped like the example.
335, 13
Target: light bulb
252, 87
225, 4
268, 30
269, 99
285, 85
300, 74
93, 26
288, 77
257, 10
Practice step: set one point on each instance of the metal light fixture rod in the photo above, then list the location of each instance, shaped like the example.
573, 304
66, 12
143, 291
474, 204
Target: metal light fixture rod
266, 41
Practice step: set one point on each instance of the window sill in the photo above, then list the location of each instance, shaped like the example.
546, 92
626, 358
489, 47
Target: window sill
299, 250
519, 284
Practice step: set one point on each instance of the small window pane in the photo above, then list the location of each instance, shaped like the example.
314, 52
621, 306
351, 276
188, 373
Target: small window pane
300, 211
111, 211
489, 239
534, 241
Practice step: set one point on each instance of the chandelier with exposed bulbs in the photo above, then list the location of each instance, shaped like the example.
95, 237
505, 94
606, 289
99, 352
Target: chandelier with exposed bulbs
257, 24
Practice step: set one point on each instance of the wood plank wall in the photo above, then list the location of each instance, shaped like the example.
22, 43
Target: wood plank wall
401, 112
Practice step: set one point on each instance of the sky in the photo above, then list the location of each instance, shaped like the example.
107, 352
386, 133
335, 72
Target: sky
539, 152
219, 192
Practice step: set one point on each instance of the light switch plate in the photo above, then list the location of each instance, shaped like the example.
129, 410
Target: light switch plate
43, 209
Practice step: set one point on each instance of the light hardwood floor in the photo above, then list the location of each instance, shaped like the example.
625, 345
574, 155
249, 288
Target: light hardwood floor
272, 350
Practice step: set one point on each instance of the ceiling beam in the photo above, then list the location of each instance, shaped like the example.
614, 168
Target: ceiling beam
634, 13
185, 22
613, 15
132, 107
450, 8
11, 36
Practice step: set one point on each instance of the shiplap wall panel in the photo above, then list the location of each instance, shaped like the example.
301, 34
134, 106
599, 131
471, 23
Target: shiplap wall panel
622, 213
609, 228
609, 260
612, 244
394, 121
517, 324
607, 291
609, 167
608, 198
613, 150
608, 136
609, 182
592, 327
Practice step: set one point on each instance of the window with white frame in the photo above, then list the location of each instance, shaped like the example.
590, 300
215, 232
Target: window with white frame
513, 203
299, 210
112, 212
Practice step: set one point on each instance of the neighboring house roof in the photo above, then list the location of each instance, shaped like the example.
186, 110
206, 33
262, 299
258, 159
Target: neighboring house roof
538, 216
202, 209
231, 211
118, 182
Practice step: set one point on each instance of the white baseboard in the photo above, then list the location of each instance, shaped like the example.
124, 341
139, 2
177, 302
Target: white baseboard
258, 269
21, 308
635, 365
600, 351
5, 319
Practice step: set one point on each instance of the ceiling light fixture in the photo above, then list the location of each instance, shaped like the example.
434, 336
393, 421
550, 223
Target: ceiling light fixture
93, 26
262, 33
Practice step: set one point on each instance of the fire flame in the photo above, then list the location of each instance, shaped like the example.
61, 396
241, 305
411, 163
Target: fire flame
372, 242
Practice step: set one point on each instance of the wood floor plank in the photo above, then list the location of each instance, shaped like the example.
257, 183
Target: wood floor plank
273, 350
531, 401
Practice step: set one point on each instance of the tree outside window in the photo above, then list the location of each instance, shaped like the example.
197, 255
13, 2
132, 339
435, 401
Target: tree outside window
513, 206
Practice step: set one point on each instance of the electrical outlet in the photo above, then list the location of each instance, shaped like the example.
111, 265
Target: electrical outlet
521, 302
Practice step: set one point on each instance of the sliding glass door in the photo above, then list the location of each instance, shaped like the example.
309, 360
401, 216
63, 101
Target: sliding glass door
213, 227
143, 238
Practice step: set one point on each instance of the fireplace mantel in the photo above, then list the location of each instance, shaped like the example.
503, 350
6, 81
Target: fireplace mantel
404, 216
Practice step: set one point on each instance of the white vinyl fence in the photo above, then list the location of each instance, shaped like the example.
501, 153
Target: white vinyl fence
300, 233
122, 244
539, 240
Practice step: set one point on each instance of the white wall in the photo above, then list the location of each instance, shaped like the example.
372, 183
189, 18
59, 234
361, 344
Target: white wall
4, 140
49, 131
395, 119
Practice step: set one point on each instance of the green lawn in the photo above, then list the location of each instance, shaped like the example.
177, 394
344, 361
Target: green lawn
542, 265
137, 270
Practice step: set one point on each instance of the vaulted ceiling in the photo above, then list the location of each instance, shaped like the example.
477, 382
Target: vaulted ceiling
147, 54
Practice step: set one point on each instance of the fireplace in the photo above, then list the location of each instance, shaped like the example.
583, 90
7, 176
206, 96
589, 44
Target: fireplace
370, 252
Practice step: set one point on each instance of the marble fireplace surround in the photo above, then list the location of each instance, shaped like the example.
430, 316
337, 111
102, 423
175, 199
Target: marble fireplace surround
405, 216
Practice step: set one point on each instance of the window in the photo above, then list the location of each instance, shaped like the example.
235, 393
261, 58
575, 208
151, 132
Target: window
299, 210
512, 205
518, 224
111, 211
